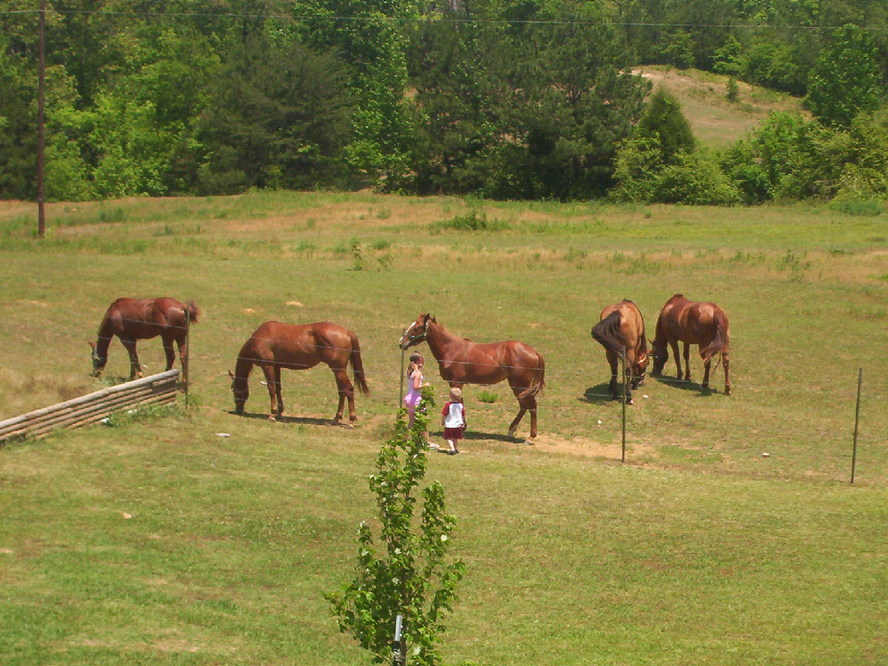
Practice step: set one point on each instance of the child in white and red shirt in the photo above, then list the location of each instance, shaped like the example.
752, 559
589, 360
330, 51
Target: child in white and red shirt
453, 418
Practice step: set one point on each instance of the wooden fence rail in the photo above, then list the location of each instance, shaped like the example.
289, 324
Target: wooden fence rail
92, 408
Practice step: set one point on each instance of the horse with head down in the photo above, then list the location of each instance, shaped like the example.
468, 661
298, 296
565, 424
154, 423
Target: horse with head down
298, 347
692, 323
621, 327
461, 361
132, 319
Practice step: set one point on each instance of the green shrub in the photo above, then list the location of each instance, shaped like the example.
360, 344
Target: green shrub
857, 207
472, 221
695, 180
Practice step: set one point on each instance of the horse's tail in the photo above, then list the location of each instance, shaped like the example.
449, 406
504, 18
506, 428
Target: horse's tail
538, 382
719, 343
194, 312
606, 333
358, 364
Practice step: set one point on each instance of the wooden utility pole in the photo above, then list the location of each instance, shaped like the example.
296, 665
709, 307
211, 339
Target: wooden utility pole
41, 136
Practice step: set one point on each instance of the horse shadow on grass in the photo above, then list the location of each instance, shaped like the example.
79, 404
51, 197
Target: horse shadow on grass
298, 420
599, 394
685, 385
470, 435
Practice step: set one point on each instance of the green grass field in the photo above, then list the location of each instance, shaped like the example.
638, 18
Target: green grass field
160, 541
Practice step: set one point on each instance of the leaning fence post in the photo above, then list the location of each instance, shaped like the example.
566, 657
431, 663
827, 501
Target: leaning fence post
403, 352
185, 358
856, 423
623, 450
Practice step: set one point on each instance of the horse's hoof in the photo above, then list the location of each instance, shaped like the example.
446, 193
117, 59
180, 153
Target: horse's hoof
271, 418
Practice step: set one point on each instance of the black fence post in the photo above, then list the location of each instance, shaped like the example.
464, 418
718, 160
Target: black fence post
856, 423
625, 399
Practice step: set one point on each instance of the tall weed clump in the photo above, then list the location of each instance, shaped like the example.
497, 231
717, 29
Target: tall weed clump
412, 576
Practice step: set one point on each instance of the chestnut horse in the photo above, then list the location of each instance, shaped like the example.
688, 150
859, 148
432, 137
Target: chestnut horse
621, 326
692, 323
461, 361
132, 319
298, 347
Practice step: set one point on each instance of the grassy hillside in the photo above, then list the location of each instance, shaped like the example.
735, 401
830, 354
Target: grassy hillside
161, 541
717, 122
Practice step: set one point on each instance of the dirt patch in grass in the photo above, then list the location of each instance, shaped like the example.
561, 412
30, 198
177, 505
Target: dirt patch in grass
589, 448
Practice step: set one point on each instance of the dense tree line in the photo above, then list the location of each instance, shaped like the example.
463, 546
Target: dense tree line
500, 98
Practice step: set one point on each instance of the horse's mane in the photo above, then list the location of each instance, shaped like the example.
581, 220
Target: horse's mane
606, 332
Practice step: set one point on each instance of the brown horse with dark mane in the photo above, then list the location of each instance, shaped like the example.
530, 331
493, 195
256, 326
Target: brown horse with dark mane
132, 319
299, 347
621, 326
461, 361
692, 323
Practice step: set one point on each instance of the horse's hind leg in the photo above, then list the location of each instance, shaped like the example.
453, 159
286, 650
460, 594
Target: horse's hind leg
687, 360
272, 379
514, 425
346, 392
169, 352
707, 366
129, 344
532, 408
676, 356
526, 405
182, 344
725, 362
278, 389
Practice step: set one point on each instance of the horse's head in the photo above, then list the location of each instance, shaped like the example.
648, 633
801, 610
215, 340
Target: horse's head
416, 332
638, 368
660, 353
240, 389
98, 362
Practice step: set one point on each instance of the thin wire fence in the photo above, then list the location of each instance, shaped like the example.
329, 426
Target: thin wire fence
830, 386
661, 378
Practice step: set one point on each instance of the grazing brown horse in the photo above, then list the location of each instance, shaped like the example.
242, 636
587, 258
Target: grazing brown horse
622, 327
132, 319
298, 347
692, 323
461, 361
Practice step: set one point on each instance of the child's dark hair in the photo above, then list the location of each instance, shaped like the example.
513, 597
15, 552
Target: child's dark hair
415, 358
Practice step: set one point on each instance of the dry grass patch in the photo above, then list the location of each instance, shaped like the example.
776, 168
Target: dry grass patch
715, 120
